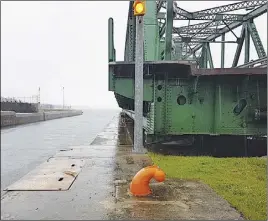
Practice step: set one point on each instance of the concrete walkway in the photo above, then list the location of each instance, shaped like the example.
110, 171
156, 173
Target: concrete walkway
88, 196
100, 190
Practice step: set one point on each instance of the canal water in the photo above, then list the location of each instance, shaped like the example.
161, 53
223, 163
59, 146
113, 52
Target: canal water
25, 147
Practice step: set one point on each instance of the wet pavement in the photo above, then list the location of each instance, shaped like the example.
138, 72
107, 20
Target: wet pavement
100, 191
174, 200
25, 147
88, 197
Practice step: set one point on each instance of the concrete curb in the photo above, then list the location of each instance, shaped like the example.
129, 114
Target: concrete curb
10, 118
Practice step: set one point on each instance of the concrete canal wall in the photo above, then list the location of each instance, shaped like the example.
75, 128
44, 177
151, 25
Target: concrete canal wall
10, 118
19, 107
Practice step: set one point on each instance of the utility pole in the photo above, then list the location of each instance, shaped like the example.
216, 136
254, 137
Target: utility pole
38, 100
62, 97
139, 11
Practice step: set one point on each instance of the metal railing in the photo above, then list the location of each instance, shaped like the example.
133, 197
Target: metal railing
30, 100
34, 100
54, 107
131, 114
259, 63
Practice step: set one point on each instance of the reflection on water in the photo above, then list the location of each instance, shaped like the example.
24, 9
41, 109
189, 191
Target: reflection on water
26, 146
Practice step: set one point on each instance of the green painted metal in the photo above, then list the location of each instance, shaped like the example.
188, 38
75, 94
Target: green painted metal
176, 105
169, 26
222, 51
125, 87
247, 44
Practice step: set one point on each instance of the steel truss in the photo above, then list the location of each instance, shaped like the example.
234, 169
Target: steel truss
198, 37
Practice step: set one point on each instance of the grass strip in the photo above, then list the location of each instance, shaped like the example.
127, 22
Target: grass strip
240, 181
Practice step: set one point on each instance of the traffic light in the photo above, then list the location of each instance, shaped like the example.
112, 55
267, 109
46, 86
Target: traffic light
139, 8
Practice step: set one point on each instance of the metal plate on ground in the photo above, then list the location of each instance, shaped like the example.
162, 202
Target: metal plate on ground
54, 174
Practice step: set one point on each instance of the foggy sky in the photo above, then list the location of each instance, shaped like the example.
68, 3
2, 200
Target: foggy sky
65, 44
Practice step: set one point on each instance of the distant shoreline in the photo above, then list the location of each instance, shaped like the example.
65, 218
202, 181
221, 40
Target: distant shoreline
95, 108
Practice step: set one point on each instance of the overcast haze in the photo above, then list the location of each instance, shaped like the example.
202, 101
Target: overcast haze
56, 44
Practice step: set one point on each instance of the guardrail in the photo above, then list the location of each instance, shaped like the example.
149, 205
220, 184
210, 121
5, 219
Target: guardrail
259, 63
131, 114
30, 100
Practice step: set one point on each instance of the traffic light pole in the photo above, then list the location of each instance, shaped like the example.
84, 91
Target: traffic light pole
138, 123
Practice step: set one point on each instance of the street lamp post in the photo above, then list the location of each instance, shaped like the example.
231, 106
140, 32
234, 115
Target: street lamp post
38, 99
39, 94
62, 97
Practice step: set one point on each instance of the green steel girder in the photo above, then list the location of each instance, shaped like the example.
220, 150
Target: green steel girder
205, 26
209, 107
175, 104
125, 87
214, 13
250, 16
210, 104
256, 39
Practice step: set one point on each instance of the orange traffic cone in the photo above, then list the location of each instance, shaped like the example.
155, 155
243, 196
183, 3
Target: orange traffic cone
140, 183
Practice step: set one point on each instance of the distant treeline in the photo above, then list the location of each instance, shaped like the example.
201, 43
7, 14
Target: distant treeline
19, 107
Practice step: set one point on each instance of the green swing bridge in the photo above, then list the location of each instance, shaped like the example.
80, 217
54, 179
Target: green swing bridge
185, 95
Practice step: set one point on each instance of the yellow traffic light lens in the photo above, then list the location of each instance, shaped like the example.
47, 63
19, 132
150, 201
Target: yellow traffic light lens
139, 7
